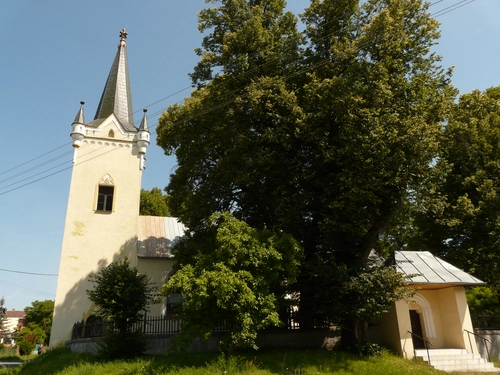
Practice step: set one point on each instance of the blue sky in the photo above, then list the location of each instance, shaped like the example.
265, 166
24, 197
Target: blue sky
56, 53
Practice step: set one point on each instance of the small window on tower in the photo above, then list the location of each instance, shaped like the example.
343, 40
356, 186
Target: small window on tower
105, 198
111, 134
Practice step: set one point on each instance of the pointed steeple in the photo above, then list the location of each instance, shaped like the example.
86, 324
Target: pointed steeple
142, 139
80, 118
144, 123
78, 132
116, 97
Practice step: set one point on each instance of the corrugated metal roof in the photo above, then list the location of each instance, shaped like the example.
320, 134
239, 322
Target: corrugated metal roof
157, 235
430, 269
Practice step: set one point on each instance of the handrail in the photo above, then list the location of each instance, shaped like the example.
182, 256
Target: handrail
482, 338
426, 347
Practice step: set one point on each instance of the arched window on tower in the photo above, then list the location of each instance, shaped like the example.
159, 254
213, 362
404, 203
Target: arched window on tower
105, 194
171, 301
111, 134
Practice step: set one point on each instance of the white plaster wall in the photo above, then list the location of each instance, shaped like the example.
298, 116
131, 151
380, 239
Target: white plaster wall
448, 305
157, 270
93, 239
392, 330
437, 340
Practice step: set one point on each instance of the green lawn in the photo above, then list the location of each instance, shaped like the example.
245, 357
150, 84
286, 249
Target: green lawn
263, 362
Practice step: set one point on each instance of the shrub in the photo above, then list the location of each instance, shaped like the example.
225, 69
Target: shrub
367, 349
26, 347
122, 296
116, 345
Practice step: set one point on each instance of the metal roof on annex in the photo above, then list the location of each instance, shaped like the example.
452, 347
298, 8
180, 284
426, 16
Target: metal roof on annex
157, 235
429, 269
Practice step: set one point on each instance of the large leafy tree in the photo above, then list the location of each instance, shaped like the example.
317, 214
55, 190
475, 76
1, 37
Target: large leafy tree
463, 225
230, 285
40, 314
324, 142
153, 203
234, 136
375, 99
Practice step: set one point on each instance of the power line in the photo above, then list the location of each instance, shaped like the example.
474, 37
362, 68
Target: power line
203, 112
31, 290
241, 75
452, 7
29, 273
29, 161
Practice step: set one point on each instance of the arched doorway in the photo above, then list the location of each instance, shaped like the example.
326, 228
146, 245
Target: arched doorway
416, 329
421, 320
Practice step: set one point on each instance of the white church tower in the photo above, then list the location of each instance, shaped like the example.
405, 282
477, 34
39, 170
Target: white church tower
103, 206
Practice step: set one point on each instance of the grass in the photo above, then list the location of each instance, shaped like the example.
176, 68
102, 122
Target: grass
8, 354
61, 361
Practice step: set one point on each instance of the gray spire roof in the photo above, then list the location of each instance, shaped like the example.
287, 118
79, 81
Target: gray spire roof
80, 118
117, 97
144, 123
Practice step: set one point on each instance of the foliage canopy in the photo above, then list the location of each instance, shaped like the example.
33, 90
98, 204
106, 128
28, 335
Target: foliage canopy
322, 136
122, 296
153, 203
29, 337
459, 218
40, 314
230, 284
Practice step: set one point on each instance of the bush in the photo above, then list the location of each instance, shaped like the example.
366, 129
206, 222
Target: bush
483, 300
367, 349
119, 346
122, 295
26, 347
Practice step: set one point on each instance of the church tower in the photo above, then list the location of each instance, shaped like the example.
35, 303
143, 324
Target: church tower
103, 204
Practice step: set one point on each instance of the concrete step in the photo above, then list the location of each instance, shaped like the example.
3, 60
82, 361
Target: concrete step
455, 360
472, 357
482, 367
440, 351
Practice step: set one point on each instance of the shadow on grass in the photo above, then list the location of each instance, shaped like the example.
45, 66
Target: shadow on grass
262, 362
53, 361
9, 358
294, 361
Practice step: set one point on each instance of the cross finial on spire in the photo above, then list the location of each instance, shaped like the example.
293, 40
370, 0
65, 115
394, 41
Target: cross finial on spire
123, 36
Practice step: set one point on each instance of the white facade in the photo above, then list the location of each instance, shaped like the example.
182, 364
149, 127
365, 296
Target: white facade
103, 205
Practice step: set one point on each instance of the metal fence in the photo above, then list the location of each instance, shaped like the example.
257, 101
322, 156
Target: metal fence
486, 321
163, 325
150, 325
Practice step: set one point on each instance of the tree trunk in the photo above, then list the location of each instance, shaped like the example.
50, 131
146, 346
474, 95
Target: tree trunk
354, 332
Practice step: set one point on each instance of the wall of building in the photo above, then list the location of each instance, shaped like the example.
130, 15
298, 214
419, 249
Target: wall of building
93, 239
157, 269
392, 330
444, 316
430, 311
